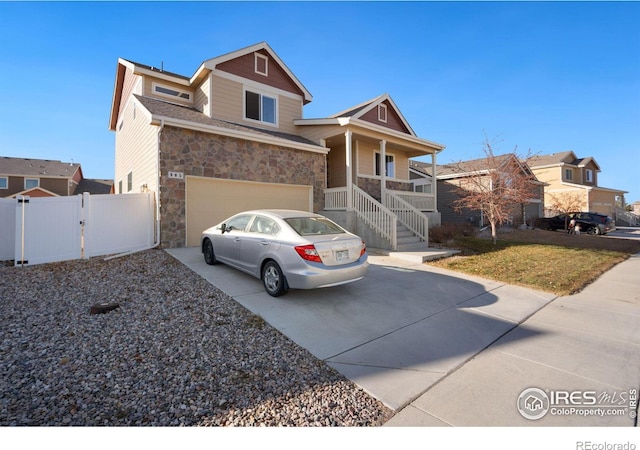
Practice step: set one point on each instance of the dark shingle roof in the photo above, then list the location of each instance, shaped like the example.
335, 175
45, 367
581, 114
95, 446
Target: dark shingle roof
93, 186
171, 110
37, 167
462, 167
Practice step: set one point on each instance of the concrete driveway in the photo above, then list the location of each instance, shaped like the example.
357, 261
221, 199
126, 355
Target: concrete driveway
395, 333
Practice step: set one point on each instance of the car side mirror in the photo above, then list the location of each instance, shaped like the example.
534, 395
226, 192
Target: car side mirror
223, 227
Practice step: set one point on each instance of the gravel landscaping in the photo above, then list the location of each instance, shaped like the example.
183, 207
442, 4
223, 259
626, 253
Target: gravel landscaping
175, 352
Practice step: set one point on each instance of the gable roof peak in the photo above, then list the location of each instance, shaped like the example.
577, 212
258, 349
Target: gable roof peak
355, 112
210, 64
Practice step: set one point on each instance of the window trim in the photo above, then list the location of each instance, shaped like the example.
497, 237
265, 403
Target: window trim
568, 174
258, 56
261, 95
382, 111
37, 180
6, 183
179, 93
376, 163
589, 175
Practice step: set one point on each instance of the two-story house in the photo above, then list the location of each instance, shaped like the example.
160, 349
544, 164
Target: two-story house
46, 178
452, 184
232, 137
564, 172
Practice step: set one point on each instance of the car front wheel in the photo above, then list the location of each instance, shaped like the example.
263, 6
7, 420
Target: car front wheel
594, 230
209, 255
273, 279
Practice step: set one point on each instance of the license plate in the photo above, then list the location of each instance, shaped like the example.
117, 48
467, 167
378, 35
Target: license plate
342, 255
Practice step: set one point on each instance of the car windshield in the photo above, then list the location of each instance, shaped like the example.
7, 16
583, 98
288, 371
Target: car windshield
307, 226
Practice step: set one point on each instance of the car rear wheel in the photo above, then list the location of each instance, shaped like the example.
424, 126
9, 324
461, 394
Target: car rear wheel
273, 279
209, 255
593, 230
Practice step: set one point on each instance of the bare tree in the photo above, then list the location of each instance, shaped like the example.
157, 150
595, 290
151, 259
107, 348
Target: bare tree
565, 203
495, 185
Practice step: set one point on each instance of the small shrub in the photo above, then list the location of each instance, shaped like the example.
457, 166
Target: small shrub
448, 231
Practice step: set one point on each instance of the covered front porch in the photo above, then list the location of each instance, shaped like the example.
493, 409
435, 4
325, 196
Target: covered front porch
368, 181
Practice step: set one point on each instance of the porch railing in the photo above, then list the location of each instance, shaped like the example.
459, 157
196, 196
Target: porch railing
376, 215
410, 217
419, 200
335, 198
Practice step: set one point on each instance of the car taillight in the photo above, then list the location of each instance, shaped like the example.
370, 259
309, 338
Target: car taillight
308, 253
364, 249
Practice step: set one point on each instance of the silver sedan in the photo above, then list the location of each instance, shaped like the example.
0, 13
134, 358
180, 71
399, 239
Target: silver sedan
287, 249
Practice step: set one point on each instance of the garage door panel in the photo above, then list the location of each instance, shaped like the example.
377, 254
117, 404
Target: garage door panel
211, 200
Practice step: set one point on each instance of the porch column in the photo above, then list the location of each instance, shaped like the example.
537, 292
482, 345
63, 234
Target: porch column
434, 182
348, 159
383, 169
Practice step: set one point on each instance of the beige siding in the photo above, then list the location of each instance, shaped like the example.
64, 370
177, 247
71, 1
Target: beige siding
551, 175
136, 150
366, 161
131, 85
602, 202
202, 94
148, 91
227, 99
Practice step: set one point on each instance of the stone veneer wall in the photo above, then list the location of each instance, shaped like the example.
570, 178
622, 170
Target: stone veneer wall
372, 186
208, 155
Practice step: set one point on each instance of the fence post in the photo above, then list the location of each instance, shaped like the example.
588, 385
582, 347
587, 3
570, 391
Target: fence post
19, 255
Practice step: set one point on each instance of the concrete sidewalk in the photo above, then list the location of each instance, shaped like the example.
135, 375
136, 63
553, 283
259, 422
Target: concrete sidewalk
586, 344
442, 348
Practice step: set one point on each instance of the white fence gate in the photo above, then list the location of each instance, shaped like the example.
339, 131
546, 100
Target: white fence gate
82, 226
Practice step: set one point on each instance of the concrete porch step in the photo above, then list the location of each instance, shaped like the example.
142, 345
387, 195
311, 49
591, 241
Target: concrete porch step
417, 254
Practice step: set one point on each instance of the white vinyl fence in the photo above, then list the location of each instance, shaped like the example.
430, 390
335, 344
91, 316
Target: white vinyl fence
37, 230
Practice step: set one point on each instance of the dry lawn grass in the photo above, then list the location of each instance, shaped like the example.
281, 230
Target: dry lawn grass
543, 260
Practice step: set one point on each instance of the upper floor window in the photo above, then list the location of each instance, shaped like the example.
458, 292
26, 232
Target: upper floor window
261, 64
4, 183
389, 165
167, 91
589, 174
129, 181
568, 174
30, 183
260, 107
382, 113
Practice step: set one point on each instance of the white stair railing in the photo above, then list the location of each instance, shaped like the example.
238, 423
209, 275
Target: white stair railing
374, 214
409, 216
629, 217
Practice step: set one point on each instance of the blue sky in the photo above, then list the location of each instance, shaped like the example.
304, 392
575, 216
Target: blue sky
539, 76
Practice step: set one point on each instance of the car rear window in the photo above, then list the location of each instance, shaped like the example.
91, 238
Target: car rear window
307, 226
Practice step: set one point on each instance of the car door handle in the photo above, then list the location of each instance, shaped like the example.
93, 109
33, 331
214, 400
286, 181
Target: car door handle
237, 239
265, 243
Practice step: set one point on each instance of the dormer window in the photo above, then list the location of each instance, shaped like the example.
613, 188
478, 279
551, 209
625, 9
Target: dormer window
260, 107
382, 113
261, 64
589, 175
167, 91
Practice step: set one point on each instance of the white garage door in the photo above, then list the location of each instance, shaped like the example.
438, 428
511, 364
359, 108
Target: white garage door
211, 200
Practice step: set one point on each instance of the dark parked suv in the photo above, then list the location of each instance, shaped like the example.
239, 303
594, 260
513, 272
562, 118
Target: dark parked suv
592, 223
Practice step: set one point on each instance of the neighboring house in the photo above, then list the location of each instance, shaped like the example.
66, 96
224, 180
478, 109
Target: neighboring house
46, 178
450, 187
232, 137
565, 172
